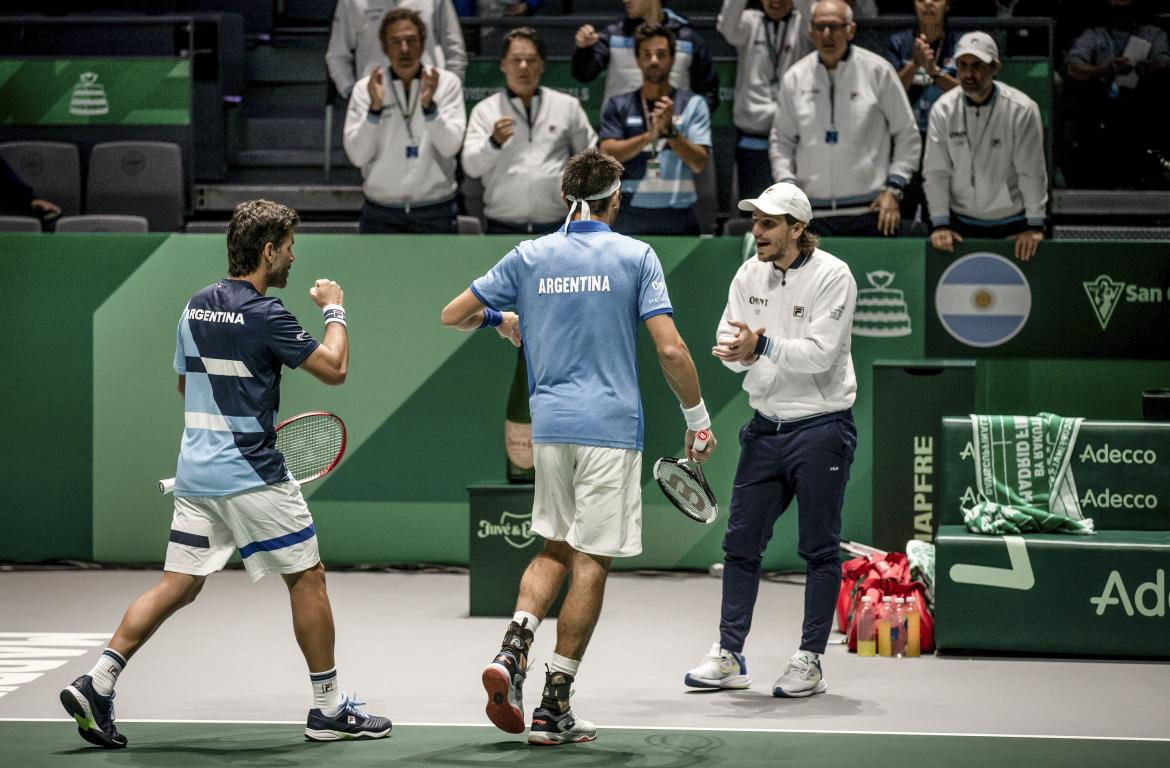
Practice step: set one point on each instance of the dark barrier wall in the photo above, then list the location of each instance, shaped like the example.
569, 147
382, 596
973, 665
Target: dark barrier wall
93, 419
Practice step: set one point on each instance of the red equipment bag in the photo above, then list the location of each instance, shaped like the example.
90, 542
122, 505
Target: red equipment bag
879, 576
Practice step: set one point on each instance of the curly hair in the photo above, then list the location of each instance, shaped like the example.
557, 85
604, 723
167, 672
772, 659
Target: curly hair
254, 224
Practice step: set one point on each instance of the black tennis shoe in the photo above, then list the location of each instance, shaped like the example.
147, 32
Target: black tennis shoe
351, 723
93, 712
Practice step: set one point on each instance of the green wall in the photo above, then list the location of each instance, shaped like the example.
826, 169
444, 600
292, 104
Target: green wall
93, 418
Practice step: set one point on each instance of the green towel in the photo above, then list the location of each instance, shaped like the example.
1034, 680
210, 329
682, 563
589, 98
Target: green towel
1022, 476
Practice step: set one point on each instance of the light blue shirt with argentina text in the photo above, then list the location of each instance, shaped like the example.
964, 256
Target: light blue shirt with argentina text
582, 294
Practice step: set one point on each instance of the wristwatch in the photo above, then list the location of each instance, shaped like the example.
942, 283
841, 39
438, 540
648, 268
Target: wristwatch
895, 191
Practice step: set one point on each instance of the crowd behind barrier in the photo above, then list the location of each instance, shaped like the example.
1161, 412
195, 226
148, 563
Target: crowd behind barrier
1089, 100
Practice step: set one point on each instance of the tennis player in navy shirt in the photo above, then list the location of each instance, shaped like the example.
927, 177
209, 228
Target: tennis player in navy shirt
580, 295
232, 489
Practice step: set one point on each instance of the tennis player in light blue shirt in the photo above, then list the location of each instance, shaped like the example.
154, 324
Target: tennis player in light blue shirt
579, 295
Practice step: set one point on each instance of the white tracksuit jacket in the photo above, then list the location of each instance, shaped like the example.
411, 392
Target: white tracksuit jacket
807, 315
877, 140
378, 145
985, 162
755, 97
522, 179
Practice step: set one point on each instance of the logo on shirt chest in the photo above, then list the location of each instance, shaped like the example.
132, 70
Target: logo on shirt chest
756, 300
798, 311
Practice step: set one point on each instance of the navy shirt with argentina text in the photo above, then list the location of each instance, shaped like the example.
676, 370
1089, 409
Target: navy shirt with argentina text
230, 346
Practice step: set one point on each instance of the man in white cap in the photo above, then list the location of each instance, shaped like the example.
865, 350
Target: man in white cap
581, 294
983, 170
800, 442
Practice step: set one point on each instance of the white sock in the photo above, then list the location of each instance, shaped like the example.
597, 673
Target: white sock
564, 664
520, 616
326, 692
105, 673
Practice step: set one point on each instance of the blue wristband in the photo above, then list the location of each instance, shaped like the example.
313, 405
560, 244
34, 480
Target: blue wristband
491, 318
761, 345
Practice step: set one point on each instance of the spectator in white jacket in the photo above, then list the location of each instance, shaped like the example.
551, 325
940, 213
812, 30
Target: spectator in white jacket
984, 171
354, 46
844, 131
519, 139
767, 42
404, 128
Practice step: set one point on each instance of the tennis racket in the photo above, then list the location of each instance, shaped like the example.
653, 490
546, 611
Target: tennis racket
312, 443
685, 487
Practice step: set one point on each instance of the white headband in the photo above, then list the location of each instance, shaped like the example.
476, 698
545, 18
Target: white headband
584, 201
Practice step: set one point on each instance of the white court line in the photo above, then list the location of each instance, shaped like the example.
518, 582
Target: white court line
636, 728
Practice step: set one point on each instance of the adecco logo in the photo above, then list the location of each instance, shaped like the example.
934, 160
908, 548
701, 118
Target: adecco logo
515, 529
1149, 598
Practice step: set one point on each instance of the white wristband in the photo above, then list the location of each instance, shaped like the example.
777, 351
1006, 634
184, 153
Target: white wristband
697, 417
334, 313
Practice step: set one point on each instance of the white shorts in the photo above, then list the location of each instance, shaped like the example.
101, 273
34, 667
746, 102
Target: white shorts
270, 526
589, 497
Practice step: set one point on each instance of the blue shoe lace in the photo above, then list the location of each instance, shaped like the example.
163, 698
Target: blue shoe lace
351, 704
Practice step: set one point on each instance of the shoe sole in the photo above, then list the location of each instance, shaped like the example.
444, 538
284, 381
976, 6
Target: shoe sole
499, 708
738, 683
542, 740
327, 735
820, 687
78, 708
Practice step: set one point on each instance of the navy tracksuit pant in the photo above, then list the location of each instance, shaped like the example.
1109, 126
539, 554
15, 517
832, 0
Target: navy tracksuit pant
807, 460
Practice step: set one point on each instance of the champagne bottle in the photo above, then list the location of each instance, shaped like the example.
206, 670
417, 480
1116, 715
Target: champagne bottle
518, 426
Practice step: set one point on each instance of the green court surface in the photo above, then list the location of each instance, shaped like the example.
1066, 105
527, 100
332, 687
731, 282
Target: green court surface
30, 743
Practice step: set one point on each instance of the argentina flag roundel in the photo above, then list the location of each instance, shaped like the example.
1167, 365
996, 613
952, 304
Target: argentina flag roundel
983, 300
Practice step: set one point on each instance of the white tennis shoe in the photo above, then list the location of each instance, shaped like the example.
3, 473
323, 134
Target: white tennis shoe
720, 669
802, 677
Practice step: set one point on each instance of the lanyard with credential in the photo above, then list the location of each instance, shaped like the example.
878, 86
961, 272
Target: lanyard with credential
407, 115
775, 40
975, 145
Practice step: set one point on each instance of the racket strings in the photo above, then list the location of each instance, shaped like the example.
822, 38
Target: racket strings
310, 445
687, 492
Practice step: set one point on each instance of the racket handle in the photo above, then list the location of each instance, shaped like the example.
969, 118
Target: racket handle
166, 486
702, 437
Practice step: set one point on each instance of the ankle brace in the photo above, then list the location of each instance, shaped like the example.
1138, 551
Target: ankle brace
557, 689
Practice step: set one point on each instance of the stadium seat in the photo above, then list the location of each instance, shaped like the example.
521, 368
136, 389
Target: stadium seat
19, 224
51, 168
468, 225
737, 226
102, 223
144, 178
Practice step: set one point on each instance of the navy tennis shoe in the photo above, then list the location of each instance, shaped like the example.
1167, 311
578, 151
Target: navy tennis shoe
93, 712
351, 723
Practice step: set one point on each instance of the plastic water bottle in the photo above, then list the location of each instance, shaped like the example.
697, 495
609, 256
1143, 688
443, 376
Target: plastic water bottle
913, 628
898, 628
866, 637
885, 626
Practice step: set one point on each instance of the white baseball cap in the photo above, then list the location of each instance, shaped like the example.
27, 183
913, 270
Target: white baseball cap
978, 44
779, 199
